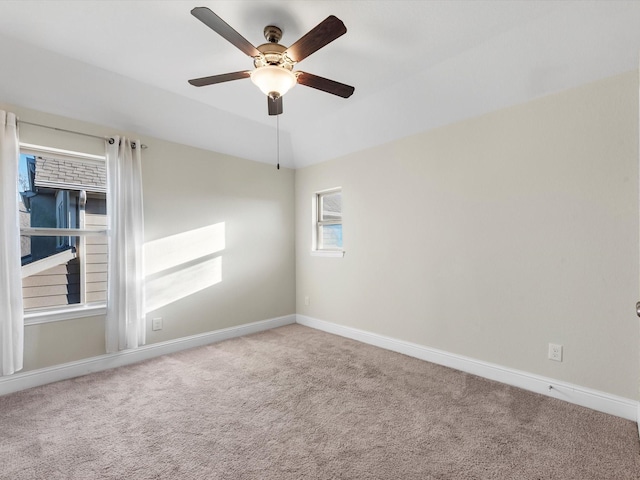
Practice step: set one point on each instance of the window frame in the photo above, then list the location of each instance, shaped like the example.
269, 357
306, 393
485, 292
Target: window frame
317, 249
85, 309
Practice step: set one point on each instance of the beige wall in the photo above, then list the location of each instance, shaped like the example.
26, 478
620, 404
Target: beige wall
492, 237
489, 238
239, 213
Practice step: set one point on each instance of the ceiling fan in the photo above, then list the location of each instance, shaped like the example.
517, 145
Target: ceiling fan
273, 62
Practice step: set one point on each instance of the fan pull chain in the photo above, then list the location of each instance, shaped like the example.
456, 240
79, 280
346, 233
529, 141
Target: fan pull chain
278, 139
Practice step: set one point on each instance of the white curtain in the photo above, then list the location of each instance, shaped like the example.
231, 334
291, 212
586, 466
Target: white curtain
11, 314
125, 325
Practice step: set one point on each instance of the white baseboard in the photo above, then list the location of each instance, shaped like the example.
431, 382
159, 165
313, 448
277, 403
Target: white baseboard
596, 400
586, 397
34, 378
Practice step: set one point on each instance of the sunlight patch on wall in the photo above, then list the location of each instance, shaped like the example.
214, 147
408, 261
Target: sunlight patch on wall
166, 289
182, 264
168, 252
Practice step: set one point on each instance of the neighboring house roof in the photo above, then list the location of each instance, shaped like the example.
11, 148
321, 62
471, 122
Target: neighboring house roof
67, 175
46, 263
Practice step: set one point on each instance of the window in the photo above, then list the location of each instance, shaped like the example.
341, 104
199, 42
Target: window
63, 216
328, 222
63, 226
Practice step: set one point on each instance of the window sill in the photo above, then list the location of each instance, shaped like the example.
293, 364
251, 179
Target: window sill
327, 253
35, 318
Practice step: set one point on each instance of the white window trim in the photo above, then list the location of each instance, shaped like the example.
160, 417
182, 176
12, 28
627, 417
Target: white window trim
31, 149
68, 312
35, 317
315, 251
53, 232
327, 253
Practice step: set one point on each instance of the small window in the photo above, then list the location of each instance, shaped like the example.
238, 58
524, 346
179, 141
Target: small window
328, 221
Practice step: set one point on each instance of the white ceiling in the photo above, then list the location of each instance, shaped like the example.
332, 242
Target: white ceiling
415, 65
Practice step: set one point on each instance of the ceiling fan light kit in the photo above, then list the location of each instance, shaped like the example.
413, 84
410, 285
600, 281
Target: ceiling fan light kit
273, 81
273, 62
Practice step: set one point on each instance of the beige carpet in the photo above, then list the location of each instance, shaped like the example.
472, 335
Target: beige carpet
295, 403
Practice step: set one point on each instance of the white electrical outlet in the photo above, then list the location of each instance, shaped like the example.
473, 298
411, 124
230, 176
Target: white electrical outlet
307, 301
555, 352
156, 324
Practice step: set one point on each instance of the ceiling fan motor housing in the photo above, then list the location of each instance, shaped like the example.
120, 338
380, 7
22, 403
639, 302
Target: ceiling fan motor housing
273, 54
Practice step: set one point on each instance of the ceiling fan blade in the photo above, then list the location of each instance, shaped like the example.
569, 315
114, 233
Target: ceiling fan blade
225, 77
324, 84
319, 36
223, 29
275, 106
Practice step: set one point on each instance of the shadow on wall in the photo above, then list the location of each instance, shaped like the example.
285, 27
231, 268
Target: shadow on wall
182, 264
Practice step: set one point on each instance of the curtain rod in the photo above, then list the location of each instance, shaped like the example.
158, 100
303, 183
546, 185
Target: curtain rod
108, 139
